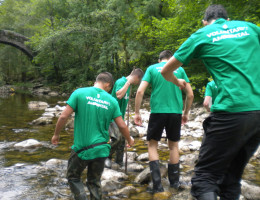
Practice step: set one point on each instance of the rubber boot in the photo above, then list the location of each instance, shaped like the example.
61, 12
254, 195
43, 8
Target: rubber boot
77, 188
174, 175
156, 176
208, 196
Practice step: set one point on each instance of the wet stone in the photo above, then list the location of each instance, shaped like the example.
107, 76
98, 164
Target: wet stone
30, 143
42, 121
109, 174
143, 157
37, 105
110, 185
126, 191
135, 167
131, 157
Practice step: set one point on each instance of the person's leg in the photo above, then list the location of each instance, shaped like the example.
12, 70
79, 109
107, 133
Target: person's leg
120, 151
95, 170
74, 171
174, 152
230, 188
173, 129
115, 139
225, 135
154, 133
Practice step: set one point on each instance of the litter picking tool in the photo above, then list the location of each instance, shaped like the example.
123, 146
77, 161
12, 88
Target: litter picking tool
128, 119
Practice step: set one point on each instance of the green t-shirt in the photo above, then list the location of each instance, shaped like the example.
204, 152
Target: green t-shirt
94, 109
230, 51
122, 102
211, 90
166, 97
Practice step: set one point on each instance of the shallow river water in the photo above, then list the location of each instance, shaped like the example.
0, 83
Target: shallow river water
21, 171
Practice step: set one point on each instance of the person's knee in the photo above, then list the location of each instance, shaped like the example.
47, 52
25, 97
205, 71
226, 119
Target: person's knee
173, 145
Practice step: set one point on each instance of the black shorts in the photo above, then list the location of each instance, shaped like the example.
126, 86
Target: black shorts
170, 121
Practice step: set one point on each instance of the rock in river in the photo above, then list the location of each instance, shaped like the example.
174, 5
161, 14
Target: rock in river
30, 143
42, 121
143, 157
125, 191
109, 174
37, 105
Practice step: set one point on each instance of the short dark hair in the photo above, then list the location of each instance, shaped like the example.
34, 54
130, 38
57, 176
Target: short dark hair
215, 12
105, 77
138, 72
166, 54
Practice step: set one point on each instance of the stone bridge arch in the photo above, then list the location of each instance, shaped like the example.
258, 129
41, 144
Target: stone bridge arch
16, 40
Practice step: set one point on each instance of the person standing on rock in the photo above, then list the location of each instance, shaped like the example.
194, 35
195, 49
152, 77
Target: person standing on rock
94, 109
166, 113
211, 93
121, 92
230, 51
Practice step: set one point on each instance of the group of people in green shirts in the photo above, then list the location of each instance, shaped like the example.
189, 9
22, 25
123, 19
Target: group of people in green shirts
230, 51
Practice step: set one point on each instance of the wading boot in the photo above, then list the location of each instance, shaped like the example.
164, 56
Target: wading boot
208, 196
156, 176
174, 175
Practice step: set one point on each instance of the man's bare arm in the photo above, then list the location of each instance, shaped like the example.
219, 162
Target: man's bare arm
138, 101
206, 103
169, 68
188, 102
121, 93
61, 123
124, 130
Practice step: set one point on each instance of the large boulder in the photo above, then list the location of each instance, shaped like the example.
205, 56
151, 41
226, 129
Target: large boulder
37, 105
30, 143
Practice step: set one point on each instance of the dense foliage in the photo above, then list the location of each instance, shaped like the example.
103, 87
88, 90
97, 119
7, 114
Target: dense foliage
76, 39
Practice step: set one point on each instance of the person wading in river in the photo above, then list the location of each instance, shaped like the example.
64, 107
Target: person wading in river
94, 109
230, 51
121, 92
211, 93
166, 112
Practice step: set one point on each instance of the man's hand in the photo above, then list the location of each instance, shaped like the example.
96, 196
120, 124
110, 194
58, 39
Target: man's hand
55, 139
138, 120
131, 142
131, 80
181, 84
184, 119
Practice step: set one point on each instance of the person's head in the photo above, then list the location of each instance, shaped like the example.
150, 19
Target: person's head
165, 55
214, 12
105, 81
137, 75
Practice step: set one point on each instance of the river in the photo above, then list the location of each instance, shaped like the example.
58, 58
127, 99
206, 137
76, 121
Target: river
22, 175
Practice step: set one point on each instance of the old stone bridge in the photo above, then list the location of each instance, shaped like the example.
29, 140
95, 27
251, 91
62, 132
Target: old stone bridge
16, 40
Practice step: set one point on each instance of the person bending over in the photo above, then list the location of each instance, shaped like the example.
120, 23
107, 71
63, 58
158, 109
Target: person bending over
230, 51
121, 92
